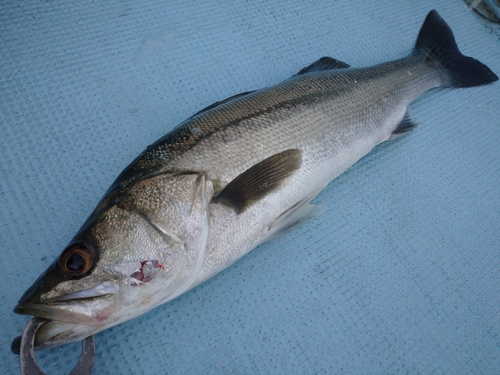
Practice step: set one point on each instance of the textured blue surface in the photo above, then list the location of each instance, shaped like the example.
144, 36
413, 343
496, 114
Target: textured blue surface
400, 275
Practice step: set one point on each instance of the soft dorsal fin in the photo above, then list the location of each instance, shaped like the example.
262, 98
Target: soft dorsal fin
258, 181
213, 105
405, 125
325, 63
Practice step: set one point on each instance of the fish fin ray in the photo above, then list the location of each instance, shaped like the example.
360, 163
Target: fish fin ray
406, 125
437, 40
325, 63
299, 217
295, 216
258, 181
216, 104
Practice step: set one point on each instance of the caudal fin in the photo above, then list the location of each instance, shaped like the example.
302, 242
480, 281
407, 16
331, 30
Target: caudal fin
437, 40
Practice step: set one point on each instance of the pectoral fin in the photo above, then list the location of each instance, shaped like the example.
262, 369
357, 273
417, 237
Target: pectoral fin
258, 181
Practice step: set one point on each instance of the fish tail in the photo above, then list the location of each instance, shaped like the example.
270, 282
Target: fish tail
437, 41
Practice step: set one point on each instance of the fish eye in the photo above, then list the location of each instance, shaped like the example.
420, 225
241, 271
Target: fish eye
77, 259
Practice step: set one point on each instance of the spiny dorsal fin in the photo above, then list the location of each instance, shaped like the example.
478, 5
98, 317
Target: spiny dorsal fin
258, 181
325, 63
406, 125
216, 104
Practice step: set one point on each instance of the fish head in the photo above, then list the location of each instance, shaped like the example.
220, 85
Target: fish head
131, 255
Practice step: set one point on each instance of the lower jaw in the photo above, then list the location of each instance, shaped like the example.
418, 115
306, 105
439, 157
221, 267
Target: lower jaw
61, 327
56, 333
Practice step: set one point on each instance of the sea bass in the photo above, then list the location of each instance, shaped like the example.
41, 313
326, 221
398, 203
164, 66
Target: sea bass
236, 174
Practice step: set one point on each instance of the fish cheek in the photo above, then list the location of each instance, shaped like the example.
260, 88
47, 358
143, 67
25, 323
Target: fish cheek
153, 239
135, 250
175, 206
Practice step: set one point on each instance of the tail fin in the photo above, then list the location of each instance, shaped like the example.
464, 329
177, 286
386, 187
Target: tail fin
437, 40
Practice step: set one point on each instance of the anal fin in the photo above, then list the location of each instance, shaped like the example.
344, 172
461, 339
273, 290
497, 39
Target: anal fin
258, 181
406, 125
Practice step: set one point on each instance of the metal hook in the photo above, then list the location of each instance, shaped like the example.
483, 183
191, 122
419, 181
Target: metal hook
27, 355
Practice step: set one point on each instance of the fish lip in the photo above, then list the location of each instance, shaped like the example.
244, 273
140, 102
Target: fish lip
54, 310
32, 309
42, 311
105, 288
91, 306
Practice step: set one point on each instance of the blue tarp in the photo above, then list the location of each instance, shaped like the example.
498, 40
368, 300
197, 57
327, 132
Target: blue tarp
399, 275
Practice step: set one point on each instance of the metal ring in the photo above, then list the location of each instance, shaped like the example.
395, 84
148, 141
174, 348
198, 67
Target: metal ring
29, 366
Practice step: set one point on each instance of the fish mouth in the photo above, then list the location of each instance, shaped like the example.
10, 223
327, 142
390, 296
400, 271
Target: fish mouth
54, 333
91, 306
72, 317
72, 311
65, 324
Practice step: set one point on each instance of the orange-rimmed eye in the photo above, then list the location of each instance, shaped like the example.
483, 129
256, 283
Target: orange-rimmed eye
77, 259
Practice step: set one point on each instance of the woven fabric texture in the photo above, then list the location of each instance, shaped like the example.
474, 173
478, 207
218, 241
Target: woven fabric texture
399, 275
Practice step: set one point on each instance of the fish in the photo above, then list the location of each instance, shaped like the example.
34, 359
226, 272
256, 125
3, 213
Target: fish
238, 173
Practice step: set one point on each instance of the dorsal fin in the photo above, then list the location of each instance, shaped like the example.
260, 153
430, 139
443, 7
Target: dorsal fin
258, 181
213, 105
325, 63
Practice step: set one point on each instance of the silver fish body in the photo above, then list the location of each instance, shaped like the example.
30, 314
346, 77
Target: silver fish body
231, 177
334, 118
